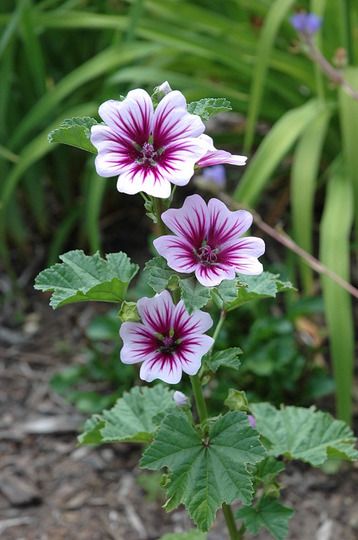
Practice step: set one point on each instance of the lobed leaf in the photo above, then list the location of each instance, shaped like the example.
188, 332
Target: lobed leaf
208, 107
268, 514
226, 358
205, 471
158, 273
75, 132
306, 434
194, 295
134, 418
81, 278
235, 293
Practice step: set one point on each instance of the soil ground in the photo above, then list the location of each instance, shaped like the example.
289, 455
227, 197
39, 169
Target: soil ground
51, 489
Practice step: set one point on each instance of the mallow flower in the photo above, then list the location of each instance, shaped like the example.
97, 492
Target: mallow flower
148, 149
168, 341
208, 240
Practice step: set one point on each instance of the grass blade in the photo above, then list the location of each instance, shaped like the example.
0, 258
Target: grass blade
278, 11
271, 151
303, 185
335, 253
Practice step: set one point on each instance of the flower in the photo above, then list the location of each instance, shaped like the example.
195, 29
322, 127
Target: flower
181, 400
306, 23
207, 241
216, 157
215, 175
252, 420
148, 149
168, 340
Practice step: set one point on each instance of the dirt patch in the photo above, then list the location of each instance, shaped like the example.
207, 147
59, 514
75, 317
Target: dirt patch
50, 489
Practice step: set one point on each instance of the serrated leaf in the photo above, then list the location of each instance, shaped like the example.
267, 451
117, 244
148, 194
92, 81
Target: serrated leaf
134, 418
81, 278
194, 295
266, 285
225, 293
207, 472
226, 358
306, 434
268, 514
207, 107
267, 470
158, 274
190, 535
75, 132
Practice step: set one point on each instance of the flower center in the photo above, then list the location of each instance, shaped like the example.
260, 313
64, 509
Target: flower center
167, 344
207, 255
147, 155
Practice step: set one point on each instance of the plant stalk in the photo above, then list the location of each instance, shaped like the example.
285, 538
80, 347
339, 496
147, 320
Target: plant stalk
199, 398
158, 210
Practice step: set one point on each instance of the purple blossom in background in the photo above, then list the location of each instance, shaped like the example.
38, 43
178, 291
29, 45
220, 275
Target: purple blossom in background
252, 420
168, 341
207, 240
181, 400
216, 157
216, 175
306, 23
148, 149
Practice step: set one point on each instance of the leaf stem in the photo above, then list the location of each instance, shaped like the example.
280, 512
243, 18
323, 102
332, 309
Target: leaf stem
230, 523
199, 398
158, 210
219, 325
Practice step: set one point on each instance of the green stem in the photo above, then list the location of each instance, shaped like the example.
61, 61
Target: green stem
230, 523
219, 325
158, 210
203, 415
199, 398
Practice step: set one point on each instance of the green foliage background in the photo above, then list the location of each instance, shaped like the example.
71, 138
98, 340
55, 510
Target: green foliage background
61, 58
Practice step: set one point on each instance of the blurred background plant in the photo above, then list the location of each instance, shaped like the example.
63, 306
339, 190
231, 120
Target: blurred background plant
61, 58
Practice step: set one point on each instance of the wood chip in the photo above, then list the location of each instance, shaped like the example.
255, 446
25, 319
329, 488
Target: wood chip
18, 491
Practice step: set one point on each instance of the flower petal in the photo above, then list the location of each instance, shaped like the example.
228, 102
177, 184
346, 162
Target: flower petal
216, 157
195, 324
157, 312
191, 351
138, 343
172, 121
168, 370
224, 225
136, 178
132, 118
250, 266
178, 253
178, 160
249, 246
190, 221
213, 275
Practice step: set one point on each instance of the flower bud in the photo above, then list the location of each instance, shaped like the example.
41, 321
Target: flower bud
181, 400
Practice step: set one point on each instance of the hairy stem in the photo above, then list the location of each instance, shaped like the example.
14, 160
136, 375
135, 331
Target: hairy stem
203, 415
158, 210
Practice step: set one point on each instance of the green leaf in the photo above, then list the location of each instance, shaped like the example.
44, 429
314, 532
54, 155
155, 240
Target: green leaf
268, 514
207, 107
206, 471
190, 535
306, 434
267, 470
75, 132
227, 358
81, 278
134, 418
158, 274
266, 285
194, 295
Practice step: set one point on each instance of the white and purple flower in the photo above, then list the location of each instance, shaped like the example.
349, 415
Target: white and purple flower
151, 149
214, 156
168, 341
148, 149
207, 240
